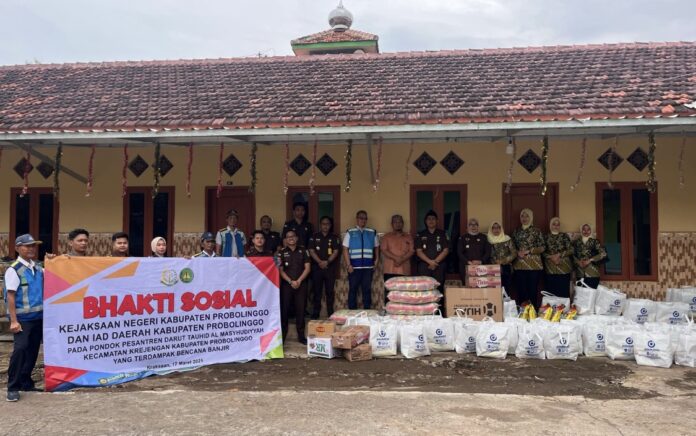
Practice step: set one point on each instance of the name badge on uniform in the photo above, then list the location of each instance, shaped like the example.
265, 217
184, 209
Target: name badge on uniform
329, 251
439, 247
467, 246
287, 263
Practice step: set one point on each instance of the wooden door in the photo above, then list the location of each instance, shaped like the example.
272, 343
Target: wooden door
528, 195
238, 198
145, 217
35, 213
326, 201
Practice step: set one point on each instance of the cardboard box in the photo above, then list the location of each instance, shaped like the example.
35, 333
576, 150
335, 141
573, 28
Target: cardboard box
476, 303
482, 270
361, 352
350, 337
321, 329
321, 347
483, 282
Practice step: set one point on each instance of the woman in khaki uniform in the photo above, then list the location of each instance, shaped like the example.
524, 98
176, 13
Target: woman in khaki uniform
588, 254
557, 260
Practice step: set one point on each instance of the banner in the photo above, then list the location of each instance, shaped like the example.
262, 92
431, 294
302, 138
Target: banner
111, 320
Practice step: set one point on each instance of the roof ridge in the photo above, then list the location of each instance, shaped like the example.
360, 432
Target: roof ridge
429, 53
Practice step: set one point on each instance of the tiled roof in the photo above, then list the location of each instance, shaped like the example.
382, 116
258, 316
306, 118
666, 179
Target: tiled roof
526, 84
331, 35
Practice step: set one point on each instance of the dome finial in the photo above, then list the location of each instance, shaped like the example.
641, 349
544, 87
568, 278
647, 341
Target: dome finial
340, 18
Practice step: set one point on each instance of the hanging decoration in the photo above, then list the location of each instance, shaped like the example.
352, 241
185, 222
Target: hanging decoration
583, 156
512, 144
219, 180
188, 169
156, 184
313, 177
612, 158
408, 165
544, 162
25, 175
651, 183
287, 169
56, 172
90, 171
124, 174
375, 186
252, 167
349, 165
682, 150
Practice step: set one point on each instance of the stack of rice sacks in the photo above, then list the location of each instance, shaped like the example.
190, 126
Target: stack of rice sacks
415, 296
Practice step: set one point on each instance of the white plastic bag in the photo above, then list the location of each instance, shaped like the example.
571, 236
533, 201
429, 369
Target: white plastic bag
465, 331
439, 332
360, 318
639, 311
685, 354
509, 307
492, 339
530, 341
562, 341
584, 299
620, 341
413, 342
675, 312
609, 301
384, 337
685, 294
512, 324
653, 346
554, 301
594, 332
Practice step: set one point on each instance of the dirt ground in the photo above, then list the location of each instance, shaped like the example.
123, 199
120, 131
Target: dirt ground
597, 378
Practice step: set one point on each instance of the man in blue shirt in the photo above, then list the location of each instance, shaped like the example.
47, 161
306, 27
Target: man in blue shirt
361, 251
23, 292
230, 240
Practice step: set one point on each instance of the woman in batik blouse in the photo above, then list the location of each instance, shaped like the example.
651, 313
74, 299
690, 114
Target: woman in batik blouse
588, 254
503, 252
528, 266
557, 260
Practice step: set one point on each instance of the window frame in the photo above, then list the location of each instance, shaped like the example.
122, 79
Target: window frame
313, 216
627, 264
147, 233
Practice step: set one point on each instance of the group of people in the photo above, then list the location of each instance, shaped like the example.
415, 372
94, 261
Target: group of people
305, 256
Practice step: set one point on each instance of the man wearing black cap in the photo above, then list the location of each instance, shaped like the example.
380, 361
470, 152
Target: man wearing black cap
432, 247
23, 292
207, 245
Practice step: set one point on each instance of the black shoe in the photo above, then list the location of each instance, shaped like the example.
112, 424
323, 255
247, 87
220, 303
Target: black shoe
303, 341
12, 396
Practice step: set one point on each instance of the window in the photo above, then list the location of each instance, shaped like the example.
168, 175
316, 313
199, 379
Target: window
449, 202
144, 218
35, 213
324, 202
627, 227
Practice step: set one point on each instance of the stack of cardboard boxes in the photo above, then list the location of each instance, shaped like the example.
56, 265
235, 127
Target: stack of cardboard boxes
324, 340
482, 297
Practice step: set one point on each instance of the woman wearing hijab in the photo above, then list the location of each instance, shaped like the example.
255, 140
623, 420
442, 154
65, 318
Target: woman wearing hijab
528, 266
503, 252
557, 260
159, 247
588, 254
472, 248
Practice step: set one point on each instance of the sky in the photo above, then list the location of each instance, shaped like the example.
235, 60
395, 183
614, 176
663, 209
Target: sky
56, 31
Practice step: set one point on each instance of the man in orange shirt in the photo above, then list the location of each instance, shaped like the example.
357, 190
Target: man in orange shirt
397, 250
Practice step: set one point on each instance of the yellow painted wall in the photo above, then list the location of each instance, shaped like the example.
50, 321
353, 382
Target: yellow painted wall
484, 172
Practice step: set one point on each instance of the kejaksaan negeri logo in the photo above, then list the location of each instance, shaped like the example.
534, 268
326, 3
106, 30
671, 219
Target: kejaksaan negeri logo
651, 344
169, 277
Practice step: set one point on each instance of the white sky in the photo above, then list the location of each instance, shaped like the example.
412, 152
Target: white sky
103, 30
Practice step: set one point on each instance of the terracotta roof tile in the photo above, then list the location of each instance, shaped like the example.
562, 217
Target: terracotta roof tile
349, 35
542, 83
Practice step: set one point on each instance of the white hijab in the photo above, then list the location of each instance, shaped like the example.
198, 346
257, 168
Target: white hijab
502, 237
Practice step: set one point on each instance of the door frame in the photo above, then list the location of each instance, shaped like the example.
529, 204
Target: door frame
208, 205
32, 207
507, 202
147, 233
334, 189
